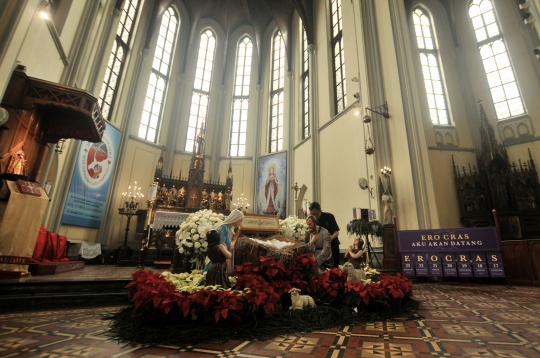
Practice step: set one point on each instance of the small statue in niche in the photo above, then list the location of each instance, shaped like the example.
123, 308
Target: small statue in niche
172, 196
164, 195
213, 200
228, 199
181, 202
387, 208
205, 204
17, 163
220, 202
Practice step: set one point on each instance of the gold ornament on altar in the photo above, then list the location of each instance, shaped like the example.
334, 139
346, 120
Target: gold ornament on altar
17, 163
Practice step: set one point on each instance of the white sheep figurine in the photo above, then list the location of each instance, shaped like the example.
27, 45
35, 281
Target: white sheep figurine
354, 275
299, 301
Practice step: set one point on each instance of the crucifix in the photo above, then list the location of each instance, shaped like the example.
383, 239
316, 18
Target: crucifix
193, 198
296, 188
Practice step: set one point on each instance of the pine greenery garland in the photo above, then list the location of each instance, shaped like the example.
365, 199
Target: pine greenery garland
139, 326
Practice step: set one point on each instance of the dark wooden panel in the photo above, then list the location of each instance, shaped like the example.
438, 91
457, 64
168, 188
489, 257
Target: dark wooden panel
534, 250
518, 262
392, 259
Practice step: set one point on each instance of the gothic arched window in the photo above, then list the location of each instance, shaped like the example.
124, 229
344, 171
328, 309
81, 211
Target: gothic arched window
242, 80
200, 95
305, 86
159, 77
499, 72
117, 58
429, 59
340, 93
276, 94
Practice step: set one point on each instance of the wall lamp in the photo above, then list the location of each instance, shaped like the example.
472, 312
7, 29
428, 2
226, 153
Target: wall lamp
382, 110
536, 51
523, 4
528, 18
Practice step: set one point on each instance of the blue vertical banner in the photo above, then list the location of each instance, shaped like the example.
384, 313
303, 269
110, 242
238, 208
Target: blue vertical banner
91, 180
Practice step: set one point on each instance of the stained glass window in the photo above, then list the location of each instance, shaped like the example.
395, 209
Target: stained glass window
305, 87
159, 77
276, 94
499, 72
340, 94
241, 97
201, 87
115, 65
429, 59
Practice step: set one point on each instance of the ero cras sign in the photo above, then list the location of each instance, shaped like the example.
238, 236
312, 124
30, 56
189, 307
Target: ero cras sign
464, 252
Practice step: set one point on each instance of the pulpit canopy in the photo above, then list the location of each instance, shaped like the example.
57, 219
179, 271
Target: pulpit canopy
64, 112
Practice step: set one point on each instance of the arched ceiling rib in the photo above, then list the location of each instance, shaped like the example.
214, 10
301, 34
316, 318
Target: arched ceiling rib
233, 14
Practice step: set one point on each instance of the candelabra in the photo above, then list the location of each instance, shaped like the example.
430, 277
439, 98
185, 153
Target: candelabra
386, 172
132, 199
149, 215
241, 203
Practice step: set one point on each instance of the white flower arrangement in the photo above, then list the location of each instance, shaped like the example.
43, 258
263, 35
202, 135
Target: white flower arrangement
293, 227
191, 238
194, 281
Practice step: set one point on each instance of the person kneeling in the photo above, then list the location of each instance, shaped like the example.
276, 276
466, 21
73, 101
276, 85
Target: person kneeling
218, 254
317, 243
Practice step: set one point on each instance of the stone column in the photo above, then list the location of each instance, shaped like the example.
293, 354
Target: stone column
314, 125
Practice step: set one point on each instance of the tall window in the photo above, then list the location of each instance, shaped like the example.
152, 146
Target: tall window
429, 59
241, 97
115, 66
305, 87
276, 94
159, 78
340, 94
500, 74
201, 88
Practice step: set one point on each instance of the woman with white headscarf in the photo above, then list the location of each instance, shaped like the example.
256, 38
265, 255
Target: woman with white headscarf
228, 236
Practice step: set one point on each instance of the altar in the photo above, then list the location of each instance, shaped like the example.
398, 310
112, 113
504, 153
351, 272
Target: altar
161, 232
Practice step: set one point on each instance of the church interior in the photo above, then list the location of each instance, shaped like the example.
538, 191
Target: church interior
126, 114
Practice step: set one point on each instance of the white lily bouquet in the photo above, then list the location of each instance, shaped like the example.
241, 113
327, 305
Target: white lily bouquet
191, 238
293, 227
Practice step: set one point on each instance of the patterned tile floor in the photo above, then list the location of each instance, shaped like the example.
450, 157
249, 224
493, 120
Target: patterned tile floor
459, 320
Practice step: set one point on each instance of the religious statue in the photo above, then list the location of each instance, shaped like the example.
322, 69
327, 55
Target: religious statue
164, 195
181, 202
205, 204
172, 196
228, 199
17, 163
387, 208
500, 193
220, 205
213, 200
271, 191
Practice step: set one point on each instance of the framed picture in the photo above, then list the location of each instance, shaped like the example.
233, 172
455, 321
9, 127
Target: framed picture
272, 185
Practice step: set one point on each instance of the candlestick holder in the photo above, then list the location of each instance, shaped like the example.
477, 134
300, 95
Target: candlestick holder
132, 199
242, 203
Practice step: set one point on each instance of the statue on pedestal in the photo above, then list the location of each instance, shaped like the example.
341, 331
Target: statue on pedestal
387, 208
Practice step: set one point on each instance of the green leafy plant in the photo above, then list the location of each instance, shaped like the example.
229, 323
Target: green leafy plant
360, 228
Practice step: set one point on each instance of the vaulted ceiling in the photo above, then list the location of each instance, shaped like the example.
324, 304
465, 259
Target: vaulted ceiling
233, 14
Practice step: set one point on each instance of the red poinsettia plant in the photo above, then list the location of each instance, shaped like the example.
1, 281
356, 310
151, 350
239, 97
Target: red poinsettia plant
263, 290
